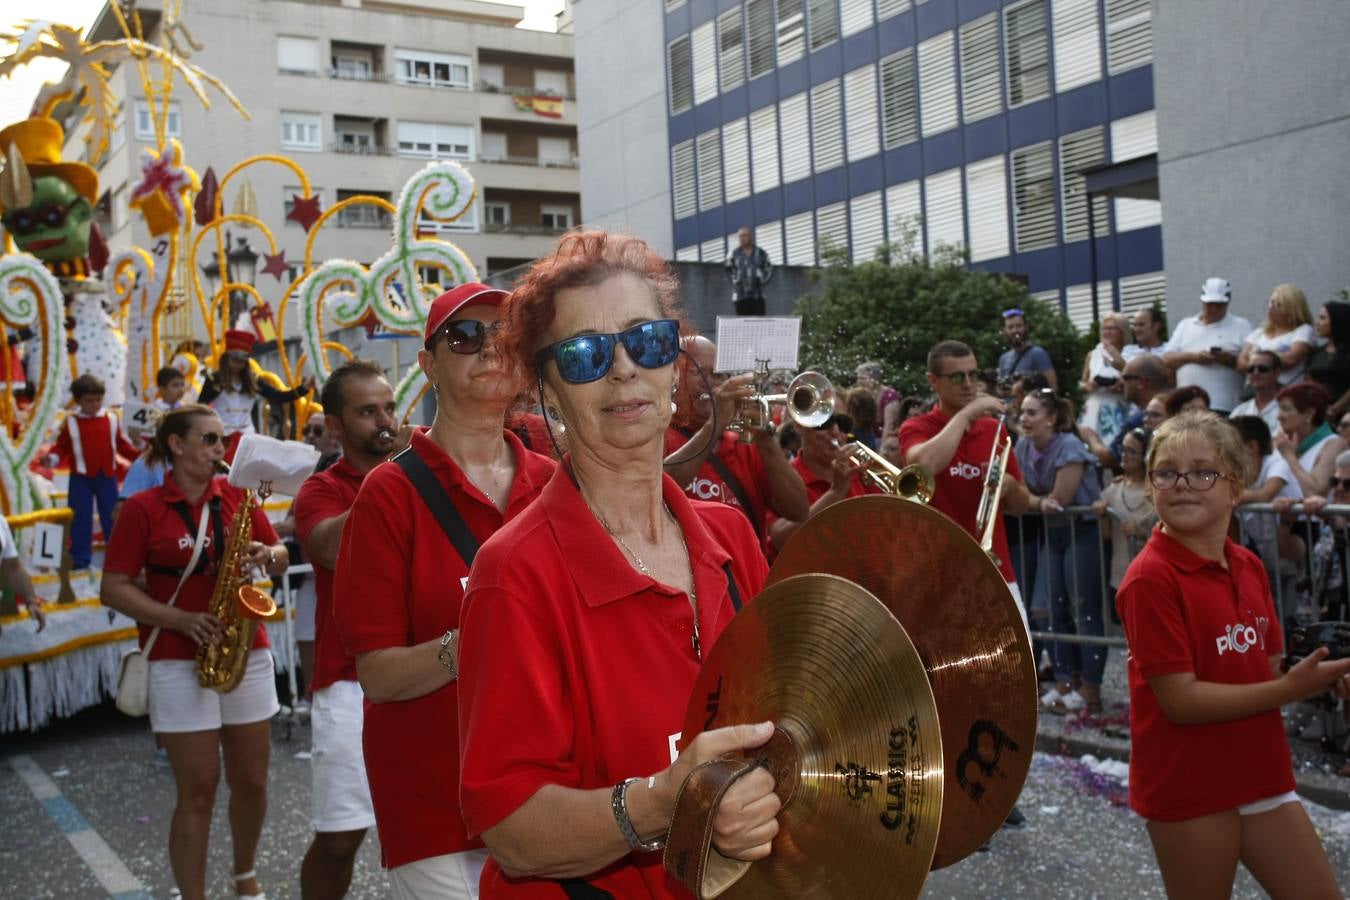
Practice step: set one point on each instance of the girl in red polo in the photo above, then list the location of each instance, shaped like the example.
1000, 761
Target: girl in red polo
1210, 769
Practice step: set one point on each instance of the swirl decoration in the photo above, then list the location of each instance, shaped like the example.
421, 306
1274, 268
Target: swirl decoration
30, 296
136, 284
391, 288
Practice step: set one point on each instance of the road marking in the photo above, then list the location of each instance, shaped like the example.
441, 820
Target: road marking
107, 867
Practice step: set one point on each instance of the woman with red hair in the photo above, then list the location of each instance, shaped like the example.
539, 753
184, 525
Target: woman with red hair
1305, 440
587, 616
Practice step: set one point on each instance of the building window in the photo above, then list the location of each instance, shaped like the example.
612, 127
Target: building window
860, 113
759, 30
899, 102
937, 84
1129, 34
362, 215
867, 227
709, 149
854, 16
736, 159
298, 54
498, 214
827, 132
943, 213
431, 69
680, 67
687, 254
431, 140
145, 124
764, 148
801, 239
730, 50
550, 81
1079, 151
888, 8
1033, 177
1077, 54
555, 151
703, 50
714, 249
1026, 52
904, 216
118, 137
301, 131
791, 30
792, 120
558, 218
769, 235
987, 202
824, 23
352, 67
685, 194
981, 92
1131, 137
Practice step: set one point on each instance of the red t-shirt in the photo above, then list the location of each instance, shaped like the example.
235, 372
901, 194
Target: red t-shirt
150, 533
815, 487
1184, 613
958, 487
743, 462
399, 582
575, 669
324, 495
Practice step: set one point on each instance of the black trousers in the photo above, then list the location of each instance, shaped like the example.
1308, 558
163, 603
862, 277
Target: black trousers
750, 306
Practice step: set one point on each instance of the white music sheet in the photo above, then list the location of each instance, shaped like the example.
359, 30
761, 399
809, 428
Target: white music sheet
743, 341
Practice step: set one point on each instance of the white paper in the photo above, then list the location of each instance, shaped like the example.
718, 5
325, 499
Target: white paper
286, 464
744, 341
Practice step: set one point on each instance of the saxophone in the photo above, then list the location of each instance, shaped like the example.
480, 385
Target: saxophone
220, 664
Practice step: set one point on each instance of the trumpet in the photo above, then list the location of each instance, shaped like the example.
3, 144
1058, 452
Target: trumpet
913, 482
809, 402
986, 515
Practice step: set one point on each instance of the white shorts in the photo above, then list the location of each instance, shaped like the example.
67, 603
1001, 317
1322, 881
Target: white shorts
306, 599
1016, 591
341, 792
1266, 805
178, 703
453, 876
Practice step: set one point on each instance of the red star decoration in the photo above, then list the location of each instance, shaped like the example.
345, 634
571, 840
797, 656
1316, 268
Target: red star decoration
277, 266
369, 322
304, 210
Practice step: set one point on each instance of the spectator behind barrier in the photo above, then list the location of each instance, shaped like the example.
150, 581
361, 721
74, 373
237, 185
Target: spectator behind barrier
1024, 356
1329, 364
1184, 398
1262, 533
1155, 413
1203, 349
1287, 332
1150, 333
1144, 377
889, 413
1305, 440
1263, 377
1128, 508
1104, 405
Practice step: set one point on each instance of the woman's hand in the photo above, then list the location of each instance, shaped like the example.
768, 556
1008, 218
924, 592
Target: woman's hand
1099, 507
1313, 675
1284, 445
1311, 505
256, 556
1128, 529
1049, 504
203, 628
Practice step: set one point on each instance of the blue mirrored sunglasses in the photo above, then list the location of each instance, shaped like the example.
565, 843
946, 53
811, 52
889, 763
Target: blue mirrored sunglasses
587, 357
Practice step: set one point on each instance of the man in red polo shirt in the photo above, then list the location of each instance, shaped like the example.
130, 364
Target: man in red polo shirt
756, 478
359, 407
826, 473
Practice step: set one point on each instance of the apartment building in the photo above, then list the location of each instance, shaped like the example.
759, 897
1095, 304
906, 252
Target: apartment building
361, 94
847, 122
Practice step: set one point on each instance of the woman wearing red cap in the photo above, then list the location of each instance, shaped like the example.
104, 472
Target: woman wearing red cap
399, 582
233, 390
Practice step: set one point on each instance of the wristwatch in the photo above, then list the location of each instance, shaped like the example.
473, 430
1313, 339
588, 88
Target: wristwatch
447, 656
617, 802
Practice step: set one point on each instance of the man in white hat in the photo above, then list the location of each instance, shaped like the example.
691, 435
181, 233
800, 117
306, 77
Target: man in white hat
1203, 349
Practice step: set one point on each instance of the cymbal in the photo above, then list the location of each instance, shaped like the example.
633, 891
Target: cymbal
860, 769
955, 606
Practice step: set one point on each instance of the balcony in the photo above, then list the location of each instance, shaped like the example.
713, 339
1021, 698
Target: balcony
488, 87
527, 230
358, 75
531, 161
359, 149
363, 217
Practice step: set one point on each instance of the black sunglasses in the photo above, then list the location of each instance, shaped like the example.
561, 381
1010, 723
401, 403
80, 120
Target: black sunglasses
26, 221
1340, 484
587, 357
1255, 367
211, 438
467, 336
315, 430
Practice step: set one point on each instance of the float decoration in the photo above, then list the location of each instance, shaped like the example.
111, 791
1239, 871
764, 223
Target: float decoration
159, 194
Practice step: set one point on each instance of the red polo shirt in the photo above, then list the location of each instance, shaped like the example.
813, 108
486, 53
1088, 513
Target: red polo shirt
744, 464
575, 669
1184, 613
958, 487
323, 496
815, 487
399, 583
150, 532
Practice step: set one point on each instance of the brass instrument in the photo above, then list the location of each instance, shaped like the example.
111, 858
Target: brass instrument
986, 516
809, 402
220, 664
912, 482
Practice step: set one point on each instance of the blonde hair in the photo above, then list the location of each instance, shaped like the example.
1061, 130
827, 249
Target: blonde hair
1204, 427
1120, 321
1293, 303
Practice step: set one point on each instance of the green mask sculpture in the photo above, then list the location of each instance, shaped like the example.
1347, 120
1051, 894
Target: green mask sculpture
55, 226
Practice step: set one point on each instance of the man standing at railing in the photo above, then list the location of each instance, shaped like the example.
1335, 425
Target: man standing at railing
359, 407
955, 442
749, 269
1204, 348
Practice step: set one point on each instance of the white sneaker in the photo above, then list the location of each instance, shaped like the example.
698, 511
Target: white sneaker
1072, 701
1051, 697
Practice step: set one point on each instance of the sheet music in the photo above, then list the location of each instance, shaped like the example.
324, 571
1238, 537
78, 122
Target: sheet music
744, 340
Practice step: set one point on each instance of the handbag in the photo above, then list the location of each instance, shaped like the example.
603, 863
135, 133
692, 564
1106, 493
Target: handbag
133, 675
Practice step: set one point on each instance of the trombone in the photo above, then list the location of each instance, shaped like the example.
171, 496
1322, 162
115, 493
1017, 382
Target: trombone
986, 516
913, 482
809, 402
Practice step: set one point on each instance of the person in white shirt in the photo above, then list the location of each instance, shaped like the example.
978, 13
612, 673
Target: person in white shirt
1263, 371
1150, 333
1262, 532
1203, 349
1287, 331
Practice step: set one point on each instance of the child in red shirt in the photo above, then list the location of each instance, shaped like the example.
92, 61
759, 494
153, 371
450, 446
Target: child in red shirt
89, 442
1209, 767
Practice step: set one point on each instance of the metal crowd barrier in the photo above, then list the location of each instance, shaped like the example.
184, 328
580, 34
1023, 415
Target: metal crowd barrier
1258, 528
291, 650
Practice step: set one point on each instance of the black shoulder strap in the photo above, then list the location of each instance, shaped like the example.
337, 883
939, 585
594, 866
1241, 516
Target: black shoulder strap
217, 539
438, 501
731, 586
731, 482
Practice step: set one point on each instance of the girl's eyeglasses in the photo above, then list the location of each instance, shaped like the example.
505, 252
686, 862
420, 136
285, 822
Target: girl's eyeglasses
587, 357
1198, 480
467, 336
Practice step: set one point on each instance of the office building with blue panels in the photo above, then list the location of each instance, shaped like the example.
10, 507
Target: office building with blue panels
959, 122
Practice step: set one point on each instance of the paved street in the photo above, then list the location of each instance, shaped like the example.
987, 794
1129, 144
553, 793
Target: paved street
1079, 842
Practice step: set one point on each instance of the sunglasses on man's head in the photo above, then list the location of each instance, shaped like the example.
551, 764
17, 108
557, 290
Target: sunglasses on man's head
587, 357
467, 336
1009, 313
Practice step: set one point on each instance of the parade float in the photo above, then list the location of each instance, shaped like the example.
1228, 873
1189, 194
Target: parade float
66, 309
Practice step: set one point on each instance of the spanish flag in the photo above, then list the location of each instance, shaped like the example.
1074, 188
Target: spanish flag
540, 105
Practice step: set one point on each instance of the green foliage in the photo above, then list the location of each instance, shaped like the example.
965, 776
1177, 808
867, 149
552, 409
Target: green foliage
896, 307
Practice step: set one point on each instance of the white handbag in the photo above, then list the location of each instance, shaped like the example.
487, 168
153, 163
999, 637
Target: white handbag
133, 676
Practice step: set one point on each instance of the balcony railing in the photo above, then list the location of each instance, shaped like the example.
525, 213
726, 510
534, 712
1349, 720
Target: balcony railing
543, 230
530, 161
363, 217
359, 76
361, 149
488, 87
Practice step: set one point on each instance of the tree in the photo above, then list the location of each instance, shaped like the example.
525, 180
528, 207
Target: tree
896, 307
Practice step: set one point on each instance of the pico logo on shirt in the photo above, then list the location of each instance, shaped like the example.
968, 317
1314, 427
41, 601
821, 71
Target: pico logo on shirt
185, 542
968, 471
1241, 637
707, 489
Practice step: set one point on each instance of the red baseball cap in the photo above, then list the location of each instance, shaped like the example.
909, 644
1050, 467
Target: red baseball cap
242, 341
458, 297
